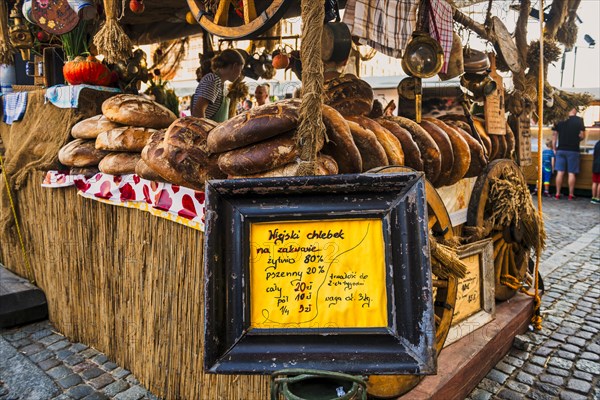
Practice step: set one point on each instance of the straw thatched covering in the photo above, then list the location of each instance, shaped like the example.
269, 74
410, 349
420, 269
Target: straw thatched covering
126, 283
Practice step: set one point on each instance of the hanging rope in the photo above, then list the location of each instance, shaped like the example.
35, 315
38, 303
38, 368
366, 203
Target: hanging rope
111, 40
311, 130
30, 276
6, 49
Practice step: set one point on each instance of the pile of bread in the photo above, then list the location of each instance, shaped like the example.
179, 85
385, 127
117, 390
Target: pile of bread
445, 149
113, 141
130, 137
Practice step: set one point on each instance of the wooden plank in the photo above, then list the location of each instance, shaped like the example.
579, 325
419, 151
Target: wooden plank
462, 365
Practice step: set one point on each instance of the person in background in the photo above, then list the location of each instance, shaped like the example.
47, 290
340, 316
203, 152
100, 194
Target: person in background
208, 98
596, 174
568, 133
247, 104
547, 166
261, 93
389, 109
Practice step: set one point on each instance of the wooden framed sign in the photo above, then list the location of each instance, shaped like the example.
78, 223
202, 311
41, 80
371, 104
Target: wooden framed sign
328, 272
495, 116
475, 303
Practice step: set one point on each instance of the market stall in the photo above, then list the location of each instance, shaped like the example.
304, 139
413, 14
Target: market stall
154, 237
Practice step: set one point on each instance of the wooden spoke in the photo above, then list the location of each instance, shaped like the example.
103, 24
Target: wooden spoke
256, 17
438, 283
249, 11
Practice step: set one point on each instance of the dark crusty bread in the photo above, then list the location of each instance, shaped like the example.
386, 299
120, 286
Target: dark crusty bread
446, 154
91, 127
326, 165
263, 156
390, 143
80, 153
349, 95
510, 142
478, 159
340, 144
125, 138
460, 149
143, 170
129, 109
119, 163
412, 154
430, 151
256, 125
371, 151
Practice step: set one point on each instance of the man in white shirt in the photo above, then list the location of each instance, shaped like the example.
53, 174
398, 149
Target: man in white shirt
261, 94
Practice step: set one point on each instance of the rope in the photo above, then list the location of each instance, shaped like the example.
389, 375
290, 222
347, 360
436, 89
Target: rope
311, 131
111, 40
14, 211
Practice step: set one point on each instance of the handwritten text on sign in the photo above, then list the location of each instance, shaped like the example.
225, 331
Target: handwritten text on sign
317, 274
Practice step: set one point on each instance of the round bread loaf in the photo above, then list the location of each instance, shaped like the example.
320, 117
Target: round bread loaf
326, 165
263, 156
510, 142
154, 155
390, 143
460, 149
90, 128
126, 138
371, 151
256, 125
132, 110
430, 152
478, 159
498, 146
412, 154
119, 163
349, 95
446, 154
340, 144
87, 172
144, 171
80, 153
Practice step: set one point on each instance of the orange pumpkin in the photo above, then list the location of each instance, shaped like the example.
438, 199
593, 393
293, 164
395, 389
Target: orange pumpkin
90, 71
281, 61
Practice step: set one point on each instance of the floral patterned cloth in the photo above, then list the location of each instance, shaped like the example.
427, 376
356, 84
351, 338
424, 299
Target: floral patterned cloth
176, 203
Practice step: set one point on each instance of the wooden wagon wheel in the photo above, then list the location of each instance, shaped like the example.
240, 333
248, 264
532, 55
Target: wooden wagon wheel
509, 251
389, 386
239, 19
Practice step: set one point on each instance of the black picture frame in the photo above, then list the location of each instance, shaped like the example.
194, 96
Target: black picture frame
406, 346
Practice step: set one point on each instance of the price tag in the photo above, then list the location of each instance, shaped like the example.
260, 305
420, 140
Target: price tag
318, 274
468, 299
495, 118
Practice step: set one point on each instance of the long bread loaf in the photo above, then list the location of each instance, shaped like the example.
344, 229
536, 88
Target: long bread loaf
446, 154
390, 143
340, 144
460, 149
412, 154
372, 152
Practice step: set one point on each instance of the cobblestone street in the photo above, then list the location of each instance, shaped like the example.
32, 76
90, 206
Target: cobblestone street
562, 361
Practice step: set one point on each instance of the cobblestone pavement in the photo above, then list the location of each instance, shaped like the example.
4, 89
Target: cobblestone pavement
562, 361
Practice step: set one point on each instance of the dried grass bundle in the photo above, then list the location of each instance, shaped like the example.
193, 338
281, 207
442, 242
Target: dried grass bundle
552, 53
567, 34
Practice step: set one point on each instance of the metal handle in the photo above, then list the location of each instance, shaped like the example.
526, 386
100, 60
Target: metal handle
280, 381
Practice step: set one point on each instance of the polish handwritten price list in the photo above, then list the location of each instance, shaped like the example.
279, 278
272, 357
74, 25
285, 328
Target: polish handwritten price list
468, 299
317, 274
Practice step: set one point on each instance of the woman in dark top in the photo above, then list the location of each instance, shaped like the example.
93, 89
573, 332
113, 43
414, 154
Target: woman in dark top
226, 66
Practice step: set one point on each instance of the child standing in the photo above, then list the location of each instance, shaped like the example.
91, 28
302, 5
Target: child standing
596, 175
547, 166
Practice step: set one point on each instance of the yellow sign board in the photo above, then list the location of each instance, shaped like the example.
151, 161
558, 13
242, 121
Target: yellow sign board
318, 274
468, 298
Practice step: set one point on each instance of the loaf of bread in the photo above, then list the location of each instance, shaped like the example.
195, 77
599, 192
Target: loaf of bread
80, 153
119, 163
90, 128
256, 125
132, 110
446, 154
430, 152
371, 151
154, 155
340, 144
478, 158
126, 138
390, 143
349, 95
263, 156
87, 172
479, 125
326, 165
143, 170
412, 154
498, 147
190, 134
460, 149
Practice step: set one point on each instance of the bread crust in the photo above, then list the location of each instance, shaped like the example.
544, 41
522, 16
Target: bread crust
340, 143
132, 110
81, 153
391, 144
126, 138
119, 163
371, 151
412, 154
91, 127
